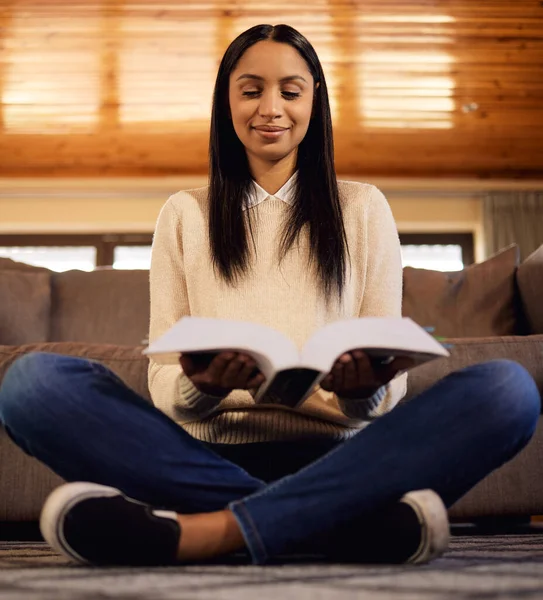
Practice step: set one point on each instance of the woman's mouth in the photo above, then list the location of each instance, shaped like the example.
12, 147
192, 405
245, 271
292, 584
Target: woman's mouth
270, 132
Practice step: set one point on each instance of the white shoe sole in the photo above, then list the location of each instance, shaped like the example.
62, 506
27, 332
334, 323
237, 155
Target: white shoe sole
58, 504
435, 532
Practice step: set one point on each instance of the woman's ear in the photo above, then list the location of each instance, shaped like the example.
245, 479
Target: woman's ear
315, 98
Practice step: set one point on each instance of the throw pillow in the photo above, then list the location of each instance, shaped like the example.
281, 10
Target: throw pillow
481, 300
104, 306
25, 303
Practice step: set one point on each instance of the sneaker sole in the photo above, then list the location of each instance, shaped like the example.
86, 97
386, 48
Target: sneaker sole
58, 504
434, 522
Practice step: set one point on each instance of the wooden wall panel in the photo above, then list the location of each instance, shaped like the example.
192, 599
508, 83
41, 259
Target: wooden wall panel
418, 87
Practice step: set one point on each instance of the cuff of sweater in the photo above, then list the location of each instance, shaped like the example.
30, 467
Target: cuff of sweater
362, 408
195, 401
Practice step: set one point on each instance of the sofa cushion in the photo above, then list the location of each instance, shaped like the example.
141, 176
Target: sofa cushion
530, 282
127, 362
25, 303
105, 306
508, 490
524, 349
25, 482
13, 265
516, 488
481, 300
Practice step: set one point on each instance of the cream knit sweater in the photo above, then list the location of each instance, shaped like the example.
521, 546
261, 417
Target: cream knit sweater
287, 298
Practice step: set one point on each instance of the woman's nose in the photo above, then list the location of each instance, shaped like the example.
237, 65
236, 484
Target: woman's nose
270, 105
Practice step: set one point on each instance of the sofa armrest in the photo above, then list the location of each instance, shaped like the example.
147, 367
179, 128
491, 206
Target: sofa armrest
526, 350
530, 284
125, 361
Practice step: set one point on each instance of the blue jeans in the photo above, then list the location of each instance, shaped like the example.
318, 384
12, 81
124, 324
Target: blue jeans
78, 418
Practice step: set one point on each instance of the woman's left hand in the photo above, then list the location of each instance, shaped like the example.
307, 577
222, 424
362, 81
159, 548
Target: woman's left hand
355, 375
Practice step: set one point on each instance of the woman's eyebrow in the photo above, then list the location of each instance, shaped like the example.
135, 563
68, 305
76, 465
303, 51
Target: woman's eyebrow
259, 78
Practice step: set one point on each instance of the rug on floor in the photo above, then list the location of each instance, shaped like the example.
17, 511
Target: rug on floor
505, 566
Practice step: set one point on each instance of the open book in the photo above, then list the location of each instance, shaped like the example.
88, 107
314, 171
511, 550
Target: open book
291, 376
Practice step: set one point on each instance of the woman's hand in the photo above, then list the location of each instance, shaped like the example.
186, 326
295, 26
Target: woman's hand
355, 375
227, 371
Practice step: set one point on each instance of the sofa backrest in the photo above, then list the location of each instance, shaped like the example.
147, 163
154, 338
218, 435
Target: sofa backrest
112, 306
104, 306
107, 305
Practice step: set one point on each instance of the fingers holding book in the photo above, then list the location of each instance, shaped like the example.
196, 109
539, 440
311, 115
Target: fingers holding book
357, 374
218, 373
389, 369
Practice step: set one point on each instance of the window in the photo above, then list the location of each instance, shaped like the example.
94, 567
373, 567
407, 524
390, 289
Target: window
84, 252
54, 258
132, 257
437, 251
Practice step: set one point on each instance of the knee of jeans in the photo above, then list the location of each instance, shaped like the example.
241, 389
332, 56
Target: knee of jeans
510, 395
24, 386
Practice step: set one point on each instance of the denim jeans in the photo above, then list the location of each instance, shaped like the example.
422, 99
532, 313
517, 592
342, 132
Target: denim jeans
78, 418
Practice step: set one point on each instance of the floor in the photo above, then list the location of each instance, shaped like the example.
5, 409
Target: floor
476, 567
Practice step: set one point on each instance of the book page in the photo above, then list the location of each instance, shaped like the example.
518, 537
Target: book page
392, 336
288, 388
270, 348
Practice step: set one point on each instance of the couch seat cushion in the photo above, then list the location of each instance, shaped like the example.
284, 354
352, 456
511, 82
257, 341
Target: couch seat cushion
126, 361
527, 350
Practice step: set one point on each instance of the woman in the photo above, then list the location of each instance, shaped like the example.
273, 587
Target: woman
207, 474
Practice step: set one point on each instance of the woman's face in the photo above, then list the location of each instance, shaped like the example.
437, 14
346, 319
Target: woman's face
271, 99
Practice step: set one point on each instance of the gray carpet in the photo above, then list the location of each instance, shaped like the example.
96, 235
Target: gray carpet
506, 566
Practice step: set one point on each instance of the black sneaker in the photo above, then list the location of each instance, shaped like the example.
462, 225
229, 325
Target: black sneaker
95, 524
413, 530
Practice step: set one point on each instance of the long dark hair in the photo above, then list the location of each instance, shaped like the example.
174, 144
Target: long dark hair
316, 197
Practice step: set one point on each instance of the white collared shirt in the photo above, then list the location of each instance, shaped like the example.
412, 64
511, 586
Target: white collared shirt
259, 194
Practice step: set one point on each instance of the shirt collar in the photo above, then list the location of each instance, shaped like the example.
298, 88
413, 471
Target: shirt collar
259, 194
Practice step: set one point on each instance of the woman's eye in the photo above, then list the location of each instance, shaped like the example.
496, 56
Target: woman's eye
286, 95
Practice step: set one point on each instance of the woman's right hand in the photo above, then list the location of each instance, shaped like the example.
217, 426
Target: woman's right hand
227, 371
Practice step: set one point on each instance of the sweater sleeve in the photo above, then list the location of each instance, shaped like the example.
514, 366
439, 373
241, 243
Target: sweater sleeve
171, 390
382, 297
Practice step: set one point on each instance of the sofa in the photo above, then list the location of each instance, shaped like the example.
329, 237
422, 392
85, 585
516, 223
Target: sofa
489, 310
